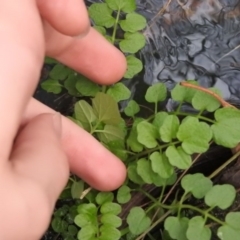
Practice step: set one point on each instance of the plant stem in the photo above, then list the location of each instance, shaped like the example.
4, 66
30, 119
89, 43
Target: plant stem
159, 200
204, 213
162, 193
161, 219
71, 179
104, 88
148, 151
124, 231
115, 26
156, 108
93, 130
179, 107
149, 196
150, 236
183, 198
217, 171
179, 179
194, 115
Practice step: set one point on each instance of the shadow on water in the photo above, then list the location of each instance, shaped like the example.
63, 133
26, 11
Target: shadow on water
186, 39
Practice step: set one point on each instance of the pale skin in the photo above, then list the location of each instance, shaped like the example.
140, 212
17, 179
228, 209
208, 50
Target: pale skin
38, 146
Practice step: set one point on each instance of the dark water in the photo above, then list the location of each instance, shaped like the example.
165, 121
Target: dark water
193, 39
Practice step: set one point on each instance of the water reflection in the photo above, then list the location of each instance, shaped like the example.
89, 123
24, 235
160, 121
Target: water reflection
193, 40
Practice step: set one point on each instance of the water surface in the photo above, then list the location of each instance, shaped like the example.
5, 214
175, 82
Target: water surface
193, 39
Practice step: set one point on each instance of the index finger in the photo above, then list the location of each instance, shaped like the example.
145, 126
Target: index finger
22, 52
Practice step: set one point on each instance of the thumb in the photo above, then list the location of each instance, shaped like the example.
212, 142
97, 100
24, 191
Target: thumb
38, 156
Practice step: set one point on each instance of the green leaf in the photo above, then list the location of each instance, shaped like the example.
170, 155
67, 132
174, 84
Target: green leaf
144, 170
109, 233
178, 157
117, 147
77, 189
183, 94
68, 236
84, 113
197, 184
76, 121
72, 230
84, 219
134, 66
110, 133
176, 227
133, 175
101, 14
59, 225
159, 119
156, 93
71, 216
134, 22
110, 207
59, 72
197, 229
104, 197
70, 85
123, 126
132, 108
124, 194
230, 231
49, 60
204, 101
226, 129
195, 135
87, 208
106, 109
101, 30
119, 92
61, 211
169, 128
161, 165
87, 232
132, 140
132, 42
65, 194
126, 6
111, 219
158, 181
147, 134
86, 87
171, 180
221, 196
138, 221
52, 86
233, 219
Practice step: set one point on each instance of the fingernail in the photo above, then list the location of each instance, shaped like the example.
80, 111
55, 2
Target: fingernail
57, 124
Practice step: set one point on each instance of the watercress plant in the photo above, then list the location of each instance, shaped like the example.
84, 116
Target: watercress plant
155, 149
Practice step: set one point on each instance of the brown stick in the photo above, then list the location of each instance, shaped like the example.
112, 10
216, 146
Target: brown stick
222, 101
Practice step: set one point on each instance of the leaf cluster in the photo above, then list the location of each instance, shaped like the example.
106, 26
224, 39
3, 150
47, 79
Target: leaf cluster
153, 149
215, 196
119, 18
63, 222
61, 77
99, 220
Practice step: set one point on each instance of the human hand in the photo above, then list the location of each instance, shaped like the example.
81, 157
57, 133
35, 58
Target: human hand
33, 166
